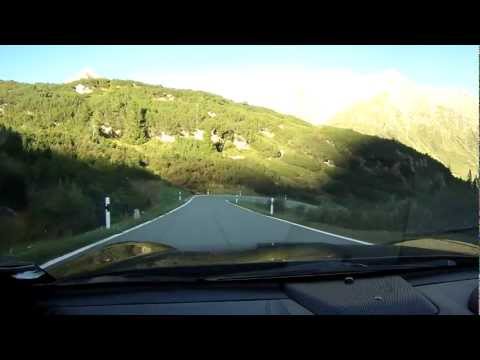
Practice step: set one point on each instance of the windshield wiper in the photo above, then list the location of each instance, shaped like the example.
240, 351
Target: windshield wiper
271, 270
127, 277
334, 267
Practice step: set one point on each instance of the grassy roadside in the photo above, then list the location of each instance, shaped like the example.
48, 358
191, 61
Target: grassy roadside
377, 237
45, 250
372, 236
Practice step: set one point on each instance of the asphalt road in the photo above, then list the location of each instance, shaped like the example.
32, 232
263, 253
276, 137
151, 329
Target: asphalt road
211, 223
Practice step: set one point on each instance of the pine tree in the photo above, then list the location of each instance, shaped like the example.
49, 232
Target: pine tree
136, 125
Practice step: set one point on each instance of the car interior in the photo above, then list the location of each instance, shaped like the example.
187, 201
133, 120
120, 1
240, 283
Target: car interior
447, 291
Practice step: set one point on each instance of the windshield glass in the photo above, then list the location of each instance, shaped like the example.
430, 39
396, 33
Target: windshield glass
206, 155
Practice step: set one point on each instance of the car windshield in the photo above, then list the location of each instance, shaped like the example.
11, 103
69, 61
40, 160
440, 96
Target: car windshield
177, 156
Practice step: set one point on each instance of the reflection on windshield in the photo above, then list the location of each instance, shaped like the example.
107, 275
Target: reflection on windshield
95, 162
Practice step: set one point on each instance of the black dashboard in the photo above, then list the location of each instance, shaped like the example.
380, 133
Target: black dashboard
440, 293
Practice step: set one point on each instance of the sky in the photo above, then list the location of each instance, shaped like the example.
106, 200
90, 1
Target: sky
312, 82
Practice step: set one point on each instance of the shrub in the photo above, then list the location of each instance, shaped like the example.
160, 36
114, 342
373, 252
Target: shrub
300, 210
279, 204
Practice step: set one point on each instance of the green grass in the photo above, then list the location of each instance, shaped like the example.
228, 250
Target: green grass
44, 250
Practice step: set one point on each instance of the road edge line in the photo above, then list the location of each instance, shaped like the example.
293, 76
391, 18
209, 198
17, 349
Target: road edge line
302, 226
87, 247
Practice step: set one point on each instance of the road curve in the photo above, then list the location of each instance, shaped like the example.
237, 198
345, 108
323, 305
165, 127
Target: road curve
211, 223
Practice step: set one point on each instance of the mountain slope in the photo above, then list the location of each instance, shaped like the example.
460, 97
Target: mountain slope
444, 128
94, 137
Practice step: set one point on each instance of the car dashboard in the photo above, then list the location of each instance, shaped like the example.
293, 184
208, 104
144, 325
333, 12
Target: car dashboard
440, 293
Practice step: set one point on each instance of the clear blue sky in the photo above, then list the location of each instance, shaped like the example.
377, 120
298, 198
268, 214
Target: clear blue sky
455, 66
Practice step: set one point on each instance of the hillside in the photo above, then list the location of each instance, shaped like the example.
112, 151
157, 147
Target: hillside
66, 146
444, 128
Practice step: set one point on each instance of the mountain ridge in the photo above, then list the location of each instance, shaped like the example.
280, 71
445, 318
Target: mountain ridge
447, 131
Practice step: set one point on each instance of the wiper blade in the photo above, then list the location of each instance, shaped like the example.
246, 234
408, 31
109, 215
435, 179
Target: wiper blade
296, 270
333, 267
167, 274
270, 270
126, 277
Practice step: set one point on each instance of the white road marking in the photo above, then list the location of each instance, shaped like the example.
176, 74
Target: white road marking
78, 251
302, 226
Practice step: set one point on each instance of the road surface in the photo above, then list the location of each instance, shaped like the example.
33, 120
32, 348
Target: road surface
212, 223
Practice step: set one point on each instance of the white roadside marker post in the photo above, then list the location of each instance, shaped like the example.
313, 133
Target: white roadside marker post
107, 212
136, 214
271, 205
236, 199
179, 196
